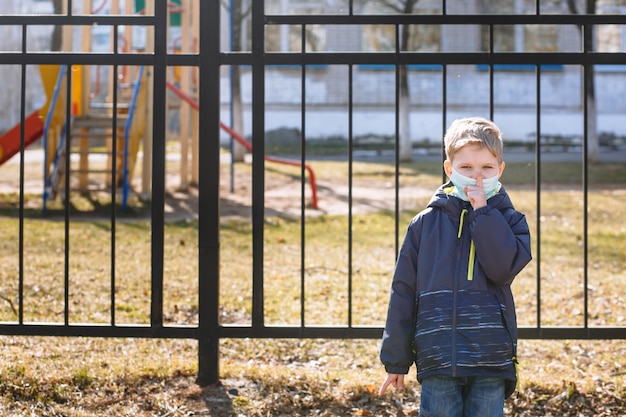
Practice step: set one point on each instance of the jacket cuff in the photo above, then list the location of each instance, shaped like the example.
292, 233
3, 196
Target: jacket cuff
478, 212
396, 369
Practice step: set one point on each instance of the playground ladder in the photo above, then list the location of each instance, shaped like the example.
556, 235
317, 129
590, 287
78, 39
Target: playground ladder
100, 153
92, 135
91, 153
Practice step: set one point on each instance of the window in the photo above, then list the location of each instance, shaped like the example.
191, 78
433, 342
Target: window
287, 38
278, 38
382, 38
610, 38
517, 38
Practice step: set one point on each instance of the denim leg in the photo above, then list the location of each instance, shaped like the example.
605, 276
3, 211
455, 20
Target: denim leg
441, 397
484, 397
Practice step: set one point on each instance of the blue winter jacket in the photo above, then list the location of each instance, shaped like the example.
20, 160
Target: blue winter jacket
451, 309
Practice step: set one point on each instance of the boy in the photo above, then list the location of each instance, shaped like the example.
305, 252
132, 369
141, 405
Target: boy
451, 308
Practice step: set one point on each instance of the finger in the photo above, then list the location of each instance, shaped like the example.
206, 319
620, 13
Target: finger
384, 386
400, 382
479, 180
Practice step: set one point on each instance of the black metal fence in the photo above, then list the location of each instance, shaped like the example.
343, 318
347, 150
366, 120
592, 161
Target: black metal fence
210, 60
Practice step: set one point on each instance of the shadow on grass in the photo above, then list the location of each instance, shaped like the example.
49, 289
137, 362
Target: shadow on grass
79, 206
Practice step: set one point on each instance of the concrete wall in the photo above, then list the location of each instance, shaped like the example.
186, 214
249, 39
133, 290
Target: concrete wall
515, 100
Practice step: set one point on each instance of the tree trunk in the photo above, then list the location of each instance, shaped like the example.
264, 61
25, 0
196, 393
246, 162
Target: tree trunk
404, 105
406, 146
237, 114
57, 32
237, 108
593, 139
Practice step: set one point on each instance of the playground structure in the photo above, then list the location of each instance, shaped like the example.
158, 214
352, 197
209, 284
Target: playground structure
99, 149
96, 147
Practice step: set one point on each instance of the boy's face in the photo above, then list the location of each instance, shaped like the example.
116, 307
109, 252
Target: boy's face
474, 162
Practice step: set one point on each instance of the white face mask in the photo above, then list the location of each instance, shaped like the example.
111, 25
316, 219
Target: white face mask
491, 185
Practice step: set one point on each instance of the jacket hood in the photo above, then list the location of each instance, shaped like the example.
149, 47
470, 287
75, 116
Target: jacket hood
453, 205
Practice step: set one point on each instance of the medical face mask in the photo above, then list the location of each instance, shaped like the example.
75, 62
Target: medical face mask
491, 185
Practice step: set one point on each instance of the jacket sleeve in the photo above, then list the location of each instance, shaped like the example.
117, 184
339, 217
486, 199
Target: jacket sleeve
502, 246
397, 343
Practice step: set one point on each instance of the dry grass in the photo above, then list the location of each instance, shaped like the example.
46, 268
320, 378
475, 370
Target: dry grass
128, 377
92, 377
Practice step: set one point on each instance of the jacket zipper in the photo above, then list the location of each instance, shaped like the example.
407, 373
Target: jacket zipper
470, 262
472, 253
455, 291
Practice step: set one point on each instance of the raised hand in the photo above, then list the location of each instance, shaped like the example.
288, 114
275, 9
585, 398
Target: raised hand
476, 193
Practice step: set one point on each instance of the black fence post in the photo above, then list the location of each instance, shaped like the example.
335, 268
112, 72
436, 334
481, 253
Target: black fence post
158, 163
209, 195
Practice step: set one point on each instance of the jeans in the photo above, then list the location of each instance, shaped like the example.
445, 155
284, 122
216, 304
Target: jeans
444, 396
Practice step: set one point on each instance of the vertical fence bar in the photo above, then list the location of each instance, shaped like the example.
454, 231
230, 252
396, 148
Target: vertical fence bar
302, 176
350, 161
491, 106
586, 81
444, 121
258, 159
68, 110
113, 185
302, 210
396, 150
114, 153
20, 314
588, 85
491, 93
66, 198
538, 189
158, 162
209, 195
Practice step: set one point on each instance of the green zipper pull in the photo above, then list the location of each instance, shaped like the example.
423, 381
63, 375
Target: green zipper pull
472, 254
463, 213
470, 263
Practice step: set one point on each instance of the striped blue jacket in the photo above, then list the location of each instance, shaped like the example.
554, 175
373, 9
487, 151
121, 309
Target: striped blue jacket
451, 310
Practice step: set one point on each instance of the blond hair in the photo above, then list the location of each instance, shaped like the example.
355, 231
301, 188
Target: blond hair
476, 131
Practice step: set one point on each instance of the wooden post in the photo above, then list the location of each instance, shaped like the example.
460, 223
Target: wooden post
111, 164
195, 29
85, 74
185, 84
146, 172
